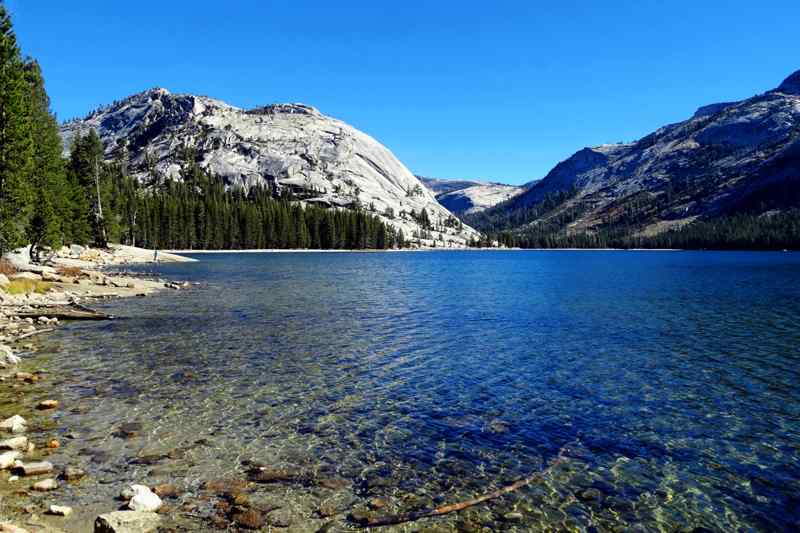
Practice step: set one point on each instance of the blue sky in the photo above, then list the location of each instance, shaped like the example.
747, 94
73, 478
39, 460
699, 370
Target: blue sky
491, 90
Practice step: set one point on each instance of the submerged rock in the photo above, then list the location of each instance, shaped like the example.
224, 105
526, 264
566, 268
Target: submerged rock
45, 485
166, 490
275, 475
72, 473
280, 518
248, 519
14, 443
47, 404
59, 510
126, 522
14, 424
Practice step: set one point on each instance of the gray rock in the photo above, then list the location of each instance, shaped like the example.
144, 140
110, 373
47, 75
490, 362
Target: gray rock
72, 473
45, 485
35, 469
126, 522
14, 443
280, 518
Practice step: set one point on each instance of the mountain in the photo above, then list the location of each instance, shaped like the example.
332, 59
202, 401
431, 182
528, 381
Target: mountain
467, 196
727, 159
287, 147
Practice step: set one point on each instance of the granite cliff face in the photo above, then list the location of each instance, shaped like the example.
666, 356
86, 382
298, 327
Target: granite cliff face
725, 158
284, 146
464, 197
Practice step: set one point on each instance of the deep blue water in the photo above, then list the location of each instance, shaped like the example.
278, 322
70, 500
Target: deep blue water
669, 380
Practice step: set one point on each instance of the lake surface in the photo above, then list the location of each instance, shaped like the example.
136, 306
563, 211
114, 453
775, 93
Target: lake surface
667, 381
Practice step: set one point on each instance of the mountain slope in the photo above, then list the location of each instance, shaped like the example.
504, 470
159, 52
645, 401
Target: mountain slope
465, 196
287, 147
728, 158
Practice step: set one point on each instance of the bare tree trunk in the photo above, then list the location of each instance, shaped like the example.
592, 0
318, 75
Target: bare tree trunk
99, 214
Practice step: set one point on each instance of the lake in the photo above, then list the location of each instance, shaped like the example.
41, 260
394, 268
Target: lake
666, 381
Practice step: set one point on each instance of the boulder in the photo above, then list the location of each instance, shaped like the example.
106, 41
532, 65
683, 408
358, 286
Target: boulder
14, 424
126, 522
45, 485
35, 469
144, 499
59, 510
14, 443
7, 459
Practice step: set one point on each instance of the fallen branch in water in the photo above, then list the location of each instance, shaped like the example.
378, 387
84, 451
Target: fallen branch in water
32, 333
72, 311
368, 521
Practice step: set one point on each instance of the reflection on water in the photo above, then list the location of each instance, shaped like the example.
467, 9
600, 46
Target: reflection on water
670, 379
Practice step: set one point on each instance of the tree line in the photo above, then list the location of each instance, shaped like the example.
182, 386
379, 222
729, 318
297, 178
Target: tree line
744, 231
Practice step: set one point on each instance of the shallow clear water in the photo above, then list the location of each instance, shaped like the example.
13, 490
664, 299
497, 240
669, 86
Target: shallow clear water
668, 381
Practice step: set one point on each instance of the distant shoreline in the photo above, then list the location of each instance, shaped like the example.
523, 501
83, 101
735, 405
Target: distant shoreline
314, 250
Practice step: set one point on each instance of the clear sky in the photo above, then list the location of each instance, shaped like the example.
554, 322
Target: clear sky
491, 89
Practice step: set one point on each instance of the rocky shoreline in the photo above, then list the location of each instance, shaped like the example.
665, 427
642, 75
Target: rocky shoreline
35, 299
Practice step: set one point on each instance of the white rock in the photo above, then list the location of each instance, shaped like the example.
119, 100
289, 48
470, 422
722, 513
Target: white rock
59, 510
8, 459
4, 280
7, 356
126, 522
144, 499
45, 485
14, 443
14, 424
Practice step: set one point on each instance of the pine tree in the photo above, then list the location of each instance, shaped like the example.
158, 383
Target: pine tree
16, 142
51, 197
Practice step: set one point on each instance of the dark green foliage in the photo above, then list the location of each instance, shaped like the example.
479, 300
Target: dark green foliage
776, 231
200, 213
92, 177
48, 178
16, 140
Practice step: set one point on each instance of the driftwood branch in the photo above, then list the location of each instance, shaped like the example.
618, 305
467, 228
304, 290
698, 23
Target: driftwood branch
453, 507
65, 312
32, 333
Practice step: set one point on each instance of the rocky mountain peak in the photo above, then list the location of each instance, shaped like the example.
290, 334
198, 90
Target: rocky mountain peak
291, 109
791, 85
288, 147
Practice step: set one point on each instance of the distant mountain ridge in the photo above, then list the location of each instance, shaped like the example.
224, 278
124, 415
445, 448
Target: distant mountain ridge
463, 197
728, 158
287, 147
